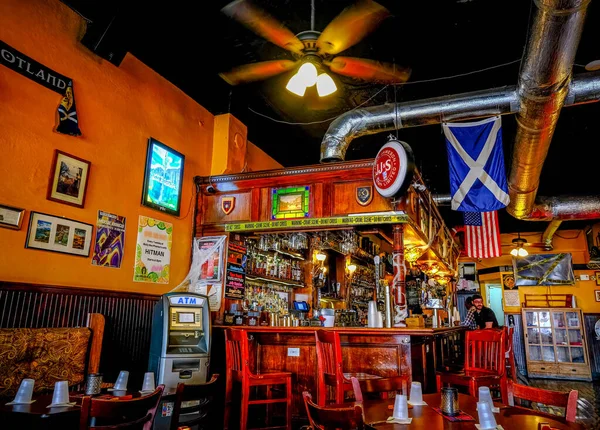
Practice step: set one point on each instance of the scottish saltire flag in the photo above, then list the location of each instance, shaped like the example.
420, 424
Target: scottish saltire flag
476, 161
67, 113
482, 235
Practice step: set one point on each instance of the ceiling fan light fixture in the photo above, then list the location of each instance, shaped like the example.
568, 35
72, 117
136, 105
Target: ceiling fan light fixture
523, 252
308, 74
296, 85
514, 252
325, 85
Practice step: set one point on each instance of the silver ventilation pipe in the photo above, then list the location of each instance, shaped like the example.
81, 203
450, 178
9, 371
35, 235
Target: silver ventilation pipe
542, 89
584, 88
564, 208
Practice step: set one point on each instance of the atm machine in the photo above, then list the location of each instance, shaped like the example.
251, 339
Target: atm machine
179, 346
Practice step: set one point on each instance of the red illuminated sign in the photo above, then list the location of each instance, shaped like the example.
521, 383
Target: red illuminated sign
393, 164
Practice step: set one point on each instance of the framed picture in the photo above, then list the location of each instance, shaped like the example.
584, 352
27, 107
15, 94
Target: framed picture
163, 178
52, 233
11, 217
293, 202
597, 292
597, 278
68, 179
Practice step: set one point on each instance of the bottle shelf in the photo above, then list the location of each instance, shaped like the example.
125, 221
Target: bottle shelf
265, 278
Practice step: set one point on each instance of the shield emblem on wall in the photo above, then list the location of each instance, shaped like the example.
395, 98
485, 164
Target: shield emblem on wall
364, 195
227, 204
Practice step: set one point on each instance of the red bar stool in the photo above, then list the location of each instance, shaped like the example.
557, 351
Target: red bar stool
484, 363
238, 370
329, 368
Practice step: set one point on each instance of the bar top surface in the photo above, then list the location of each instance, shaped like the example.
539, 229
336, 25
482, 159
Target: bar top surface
410, 331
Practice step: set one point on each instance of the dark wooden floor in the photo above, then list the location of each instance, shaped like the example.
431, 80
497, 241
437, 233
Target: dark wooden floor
588, 408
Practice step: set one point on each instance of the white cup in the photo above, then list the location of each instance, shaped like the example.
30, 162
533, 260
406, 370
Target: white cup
486, 416
400, 407
121, 384
61, 393
486, 396
379, 319
148, 385
416, 393
25, 392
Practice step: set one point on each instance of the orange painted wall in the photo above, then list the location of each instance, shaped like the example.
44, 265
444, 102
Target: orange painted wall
571, 241
118, 108
257, 159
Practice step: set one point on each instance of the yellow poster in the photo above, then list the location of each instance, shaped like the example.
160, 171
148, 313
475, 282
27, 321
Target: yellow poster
153, 251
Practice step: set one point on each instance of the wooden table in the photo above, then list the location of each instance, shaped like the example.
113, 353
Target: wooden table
38, 416
424, 417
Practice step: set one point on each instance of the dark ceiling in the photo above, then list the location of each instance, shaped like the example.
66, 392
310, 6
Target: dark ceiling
190, 42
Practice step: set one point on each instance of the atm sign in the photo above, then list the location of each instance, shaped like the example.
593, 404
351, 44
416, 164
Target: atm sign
186, 300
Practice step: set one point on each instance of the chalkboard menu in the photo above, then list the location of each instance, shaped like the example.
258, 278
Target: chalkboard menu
235, 274
412, 292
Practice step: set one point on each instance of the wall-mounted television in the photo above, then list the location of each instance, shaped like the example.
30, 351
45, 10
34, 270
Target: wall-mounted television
163, 178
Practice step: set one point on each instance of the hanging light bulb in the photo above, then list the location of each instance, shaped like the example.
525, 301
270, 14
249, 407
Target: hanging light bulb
296, 85
320, 256
523, 252
325, 85
351, 268
514, 252
308, 74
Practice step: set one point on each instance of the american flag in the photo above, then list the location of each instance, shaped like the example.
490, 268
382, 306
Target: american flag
482, 235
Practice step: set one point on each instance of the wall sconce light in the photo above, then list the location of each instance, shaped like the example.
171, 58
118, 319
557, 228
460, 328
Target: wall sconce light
351, 268
320, 256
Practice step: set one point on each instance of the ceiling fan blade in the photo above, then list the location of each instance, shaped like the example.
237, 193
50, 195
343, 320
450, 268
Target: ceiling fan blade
263, 24
350, 26
257, 71
369, 70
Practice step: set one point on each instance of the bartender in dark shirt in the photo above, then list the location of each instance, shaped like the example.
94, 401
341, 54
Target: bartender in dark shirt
484, 317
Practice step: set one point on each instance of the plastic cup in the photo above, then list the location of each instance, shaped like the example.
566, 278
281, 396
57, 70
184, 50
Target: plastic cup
121, 383
25, 392
148, 385
400, 407
61, 393
416, 393
486, 396
486, 416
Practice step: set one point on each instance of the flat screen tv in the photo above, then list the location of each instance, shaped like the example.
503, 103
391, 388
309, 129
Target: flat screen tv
163, 178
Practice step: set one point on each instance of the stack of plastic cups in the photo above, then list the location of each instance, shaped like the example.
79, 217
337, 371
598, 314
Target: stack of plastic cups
400, 408
372, 316
486, 416
486, 396
416, 394
148, 384
121, 384
60, 397
24, 393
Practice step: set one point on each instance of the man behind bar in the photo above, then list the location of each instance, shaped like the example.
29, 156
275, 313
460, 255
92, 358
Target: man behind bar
484, 317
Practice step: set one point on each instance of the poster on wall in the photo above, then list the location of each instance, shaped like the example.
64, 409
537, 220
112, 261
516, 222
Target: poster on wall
511, 298
236, 268
153, 251
110, 240
212, 267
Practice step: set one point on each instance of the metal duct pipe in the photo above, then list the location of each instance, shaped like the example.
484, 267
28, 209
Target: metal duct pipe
542, 88
549, 234
562, 208
584, 88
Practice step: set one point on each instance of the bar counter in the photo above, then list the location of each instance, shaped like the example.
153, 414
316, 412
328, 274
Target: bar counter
417, 352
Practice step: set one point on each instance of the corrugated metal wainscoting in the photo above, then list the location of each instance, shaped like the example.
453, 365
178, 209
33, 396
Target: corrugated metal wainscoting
128, 320
518, 342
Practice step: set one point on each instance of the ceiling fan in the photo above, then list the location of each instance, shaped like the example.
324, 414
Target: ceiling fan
519, 244
313, 50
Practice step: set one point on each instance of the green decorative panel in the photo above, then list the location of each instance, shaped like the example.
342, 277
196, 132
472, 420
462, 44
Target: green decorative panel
288, 203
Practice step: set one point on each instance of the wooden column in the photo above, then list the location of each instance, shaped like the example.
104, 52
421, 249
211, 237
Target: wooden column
399, 266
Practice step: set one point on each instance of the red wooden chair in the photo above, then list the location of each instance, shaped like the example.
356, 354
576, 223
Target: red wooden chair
104, 414
203, 393
546, 397
333, 418
485, 355
329, 368
381, 386
510, 354
238, 370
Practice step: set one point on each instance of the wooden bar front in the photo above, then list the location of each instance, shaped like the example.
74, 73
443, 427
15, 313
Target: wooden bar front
416, 352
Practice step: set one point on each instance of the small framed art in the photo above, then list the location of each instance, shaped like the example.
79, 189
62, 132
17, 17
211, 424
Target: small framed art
163, 178
11, 217
293, 202
68, 179
597, 292
597, 278
52, 233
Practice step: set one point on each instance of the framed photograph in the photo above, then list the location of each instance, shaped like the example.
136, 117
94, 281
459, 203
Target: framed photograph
52, 233
11, 217
163, 178
597, 292
68, 179
293, 202
597, 278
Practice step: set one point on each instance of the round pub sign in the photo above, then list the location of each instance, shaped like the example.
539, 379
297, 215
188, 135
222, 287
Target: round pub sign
393, 168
